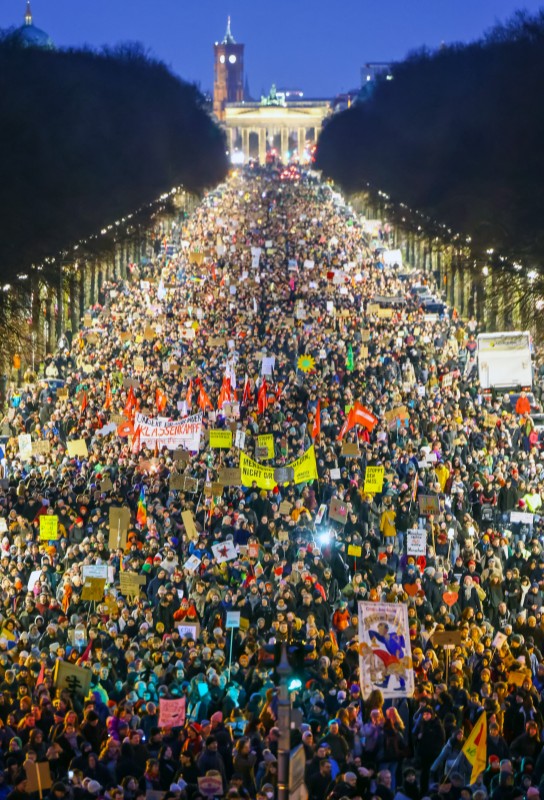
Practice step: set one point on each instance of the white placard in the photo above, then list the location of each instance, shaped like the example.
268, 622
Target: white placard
417, 542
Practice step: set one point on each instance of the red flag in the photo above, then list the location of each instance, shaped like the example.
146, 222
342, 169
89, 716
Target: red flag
136, 441
262, 397
131, 403
189, 395
84, 402
358, 415
41, 676
204, 401
247, 397
225, 395
316, 429
87, 653
108, 400
362, 416
160, 400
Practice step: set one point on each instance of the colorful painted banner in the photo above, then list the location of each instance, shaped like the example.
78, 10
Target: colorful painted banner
385, 655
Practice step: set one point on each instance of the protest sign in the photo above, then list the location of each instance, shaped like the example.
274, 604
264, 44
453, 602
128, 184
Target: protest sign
230, 476
176, 481
374, 479
338, 510
350, 449
265, 443
38, 777
25, 446
130, 583
220, 439
95, 571
252, 472
93, 589
428, 504
76, 679
172, 713
416, 542
189, 523
77, 448
49, 528
305, 467
354, 550
42, 448
119, 519
161, 433
189, 630
233, 619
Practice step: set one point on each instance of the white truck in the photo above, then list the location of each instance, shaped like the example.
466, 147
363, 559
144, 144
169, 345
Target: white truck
504, 360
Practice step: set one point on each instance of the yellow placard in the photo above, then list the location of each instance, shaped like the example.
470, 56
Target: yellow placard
266, 441
221, 439
354, 550
77, 447
374, 479
49, 528
305, 467
254, 472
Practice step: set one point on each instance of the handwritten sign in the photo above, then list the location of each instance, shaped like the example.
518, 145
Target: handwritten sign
374, 479
49, 528
220, 439
338, 510
77, 448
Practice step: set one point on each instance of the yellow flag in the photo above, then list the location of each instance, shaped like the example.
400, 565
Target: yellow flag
475, 747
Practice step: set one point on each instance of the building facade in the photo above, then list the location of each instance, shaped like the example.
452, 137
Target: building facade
228, 84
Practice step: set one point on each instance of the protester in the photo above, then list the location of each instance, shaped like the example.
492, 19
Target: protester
204, 457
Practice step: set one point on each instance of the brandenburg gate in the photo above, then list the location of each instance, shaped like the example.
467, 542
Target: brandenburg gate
255, 128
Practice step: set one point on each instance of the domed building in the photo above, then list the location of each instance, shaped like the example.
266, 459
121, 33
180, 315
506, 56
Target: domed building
28, 35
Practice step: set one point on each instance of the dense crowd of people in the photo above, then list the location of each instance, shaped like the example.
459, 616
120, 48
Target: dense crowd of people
268, 312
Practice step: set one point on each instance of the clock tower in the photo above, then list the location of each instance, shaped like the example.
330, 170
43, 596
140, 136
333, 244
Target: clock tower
228, 85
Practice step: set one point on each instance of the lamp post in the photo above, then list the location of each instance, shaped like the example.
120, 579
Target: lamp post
284, 724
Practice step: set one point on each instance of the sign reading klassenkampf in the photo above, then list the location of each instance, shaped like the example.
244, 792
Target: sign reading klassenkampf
183, 433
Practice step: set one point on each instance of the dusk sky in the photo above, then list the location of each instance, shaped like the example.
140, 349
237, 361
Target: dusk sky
318, 46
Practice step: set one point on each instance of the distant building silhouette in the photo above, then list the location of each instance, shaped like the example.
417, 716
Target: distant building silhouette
228, 85
28, 35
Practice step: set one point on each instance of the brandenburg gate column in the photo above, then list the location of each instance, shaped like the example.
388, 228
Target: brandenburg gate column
245, 143
284, 142
262, 145
301, 138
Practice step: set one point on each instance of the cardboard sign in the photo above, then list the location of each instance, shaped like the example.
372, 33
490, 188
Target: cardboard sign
338, 510
374, 479
93, 589
428, 504
38, 777
182, 456
216, 341
189, 523
401, 412
177, 482
76, 679
42, 448
119, 524
77, 448
447, 638
518, 677
49, 528
118, 419
385, 313
190, 485
230, 476
350, 449
216, 489
130, 583
106, 485
189, 630
285, 507
62, 394
354, 550
220, 439
139, 364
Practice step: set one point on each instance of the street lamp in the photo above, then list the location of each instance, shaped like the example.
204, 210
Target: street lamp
285, 671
